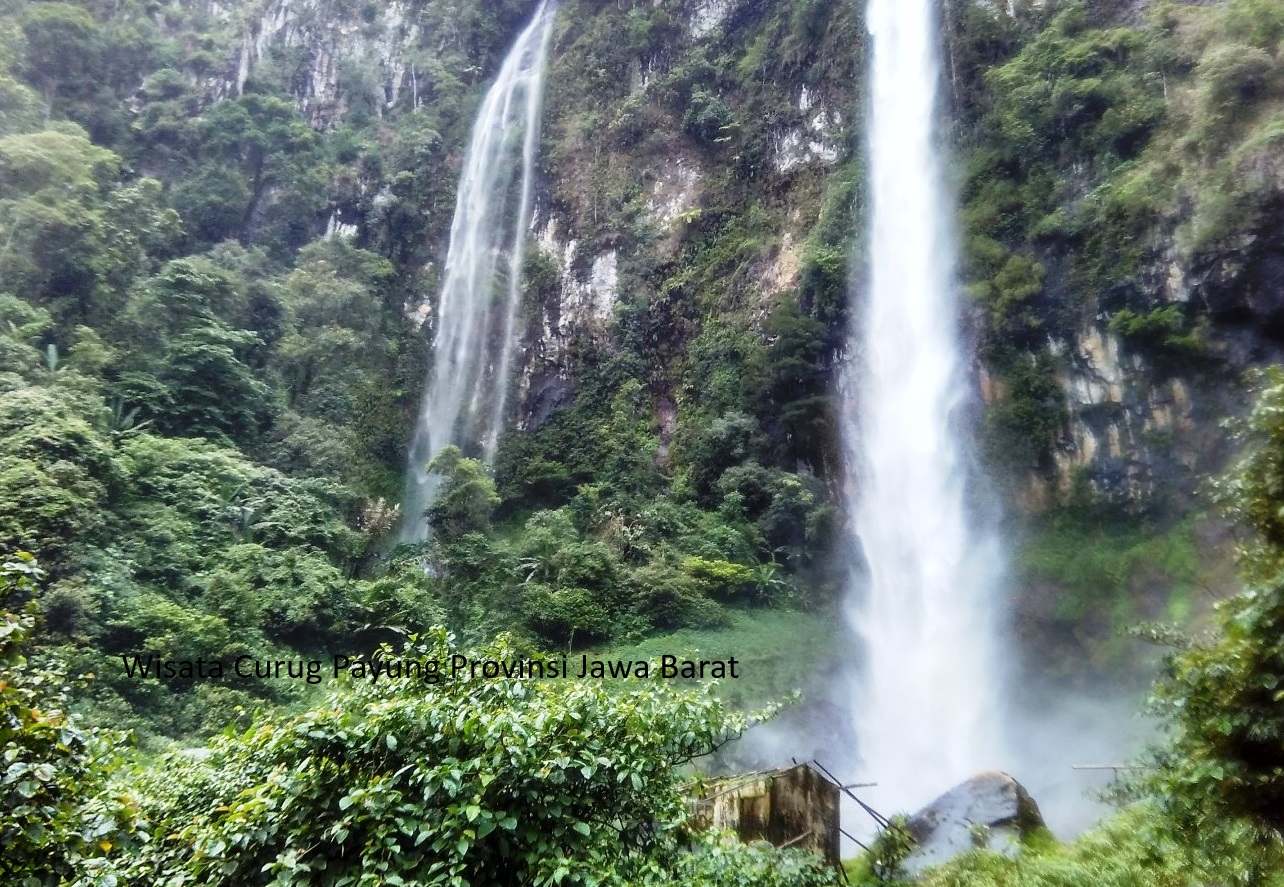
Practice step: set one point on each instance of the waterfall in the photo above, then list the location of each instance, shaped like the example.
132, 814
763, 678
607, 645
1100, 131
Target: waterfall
473, 341
926, 704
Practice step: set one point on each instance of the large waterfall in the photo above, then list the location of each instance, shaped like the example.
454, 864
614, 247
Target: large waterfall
473, 340
926, 704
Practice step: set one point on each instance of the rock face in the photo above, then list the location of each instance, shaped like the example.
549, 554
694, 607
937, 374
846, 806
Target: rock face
991, 811
332, 41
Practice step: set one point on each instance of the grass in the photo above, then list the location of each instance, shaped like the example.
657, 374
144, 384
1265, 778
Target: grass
1120, 569
1131, 849
777, 652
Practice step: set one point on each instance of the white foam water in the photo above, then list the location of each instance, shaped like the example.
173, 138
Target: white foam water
474, 319
927, 702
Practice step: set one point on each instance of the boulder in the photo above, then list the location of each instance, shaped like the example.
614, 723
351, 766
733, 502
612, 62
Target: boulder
990, 811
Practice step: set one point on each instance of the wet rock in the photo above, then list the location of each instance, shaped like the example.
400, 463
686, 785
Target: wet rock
991, 810
1266, 293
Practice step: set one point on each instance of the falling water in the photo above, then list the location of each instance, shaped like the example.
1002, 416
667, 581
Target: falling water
925, 709
475, 314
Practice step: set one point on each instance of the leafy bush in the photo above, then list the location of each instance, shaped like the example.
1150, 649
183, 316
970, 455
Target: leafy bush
1232, 76
465, 780
51, 765
467, 496
1223, 770
1162, 327
1133, 849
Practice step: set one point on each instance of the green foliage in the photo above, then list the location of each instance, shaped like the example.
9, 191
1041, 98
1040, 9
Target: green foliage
1132, 849
1073, 90
1233, 76
881, 863
708, 118
1252, 489
430, 775
1225, 122
1024, 421
452, 781
1064, 107
721, 580
1008, 296
789, 378
1258, 23
1219, 775
1107, 565
51, 763
779, 652
729, 863
166, 545
57, 474
214, 393
62, 41
466, 498
1165, 327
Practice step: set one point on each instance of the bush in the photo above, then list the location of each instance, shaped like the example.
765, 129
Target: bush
1232, 76
50, 764
448, 781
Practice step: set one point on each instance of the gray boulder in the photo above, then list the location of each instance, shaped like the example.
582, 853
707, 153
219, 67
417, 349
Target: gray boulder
990, 811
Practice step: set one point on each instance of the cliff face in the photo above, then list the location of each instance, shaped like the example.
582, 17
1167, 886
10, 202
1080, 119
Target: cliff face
1141, 427
669, 126
673, 133
1121, 182
698, 208
344, 56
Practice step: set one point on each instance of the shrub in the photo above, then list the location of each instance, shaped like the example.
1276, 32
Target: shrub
461, 780
50, 763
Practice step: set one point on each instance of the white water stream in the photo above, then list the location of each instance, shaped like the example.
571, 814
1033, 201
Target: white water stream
927, 705
474, 338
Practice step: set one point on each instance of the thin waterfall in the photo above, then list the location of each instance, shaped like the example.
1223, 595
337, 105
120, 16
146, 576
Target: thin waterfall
926, 704
475, 315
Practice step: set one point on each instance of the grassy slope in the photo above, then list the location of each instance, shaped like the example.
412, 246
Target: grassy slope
778, 652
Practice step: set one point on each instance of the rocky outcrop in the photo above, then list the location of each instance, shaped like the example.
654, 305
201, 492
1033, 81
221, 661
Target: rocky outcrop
659, 168
991, 811
343, 52
1141, 420
814, 141
578, 306
1130, 430
708, 15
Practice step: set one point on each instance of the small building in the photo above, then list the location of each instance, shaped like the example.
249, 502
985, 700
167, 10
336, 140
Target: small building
787, 807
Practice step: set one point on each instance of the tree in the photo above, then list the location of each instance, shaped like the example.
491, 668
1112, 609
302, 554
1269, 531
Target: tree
52, 182
261, 177
466, 499
789, 376
1222, 774
70, 235
57, 473
63, 43
215, 394
334, 352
